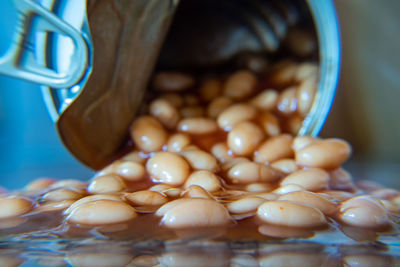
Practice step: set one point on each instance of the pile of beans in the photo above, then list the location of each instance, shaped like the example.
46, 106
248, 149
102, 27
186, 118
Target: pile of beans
219, 152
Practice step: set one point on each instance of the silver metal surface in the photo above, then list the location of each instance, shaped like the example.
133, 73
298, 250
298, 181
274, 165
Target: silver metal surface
57, 51
20, 61
325, 20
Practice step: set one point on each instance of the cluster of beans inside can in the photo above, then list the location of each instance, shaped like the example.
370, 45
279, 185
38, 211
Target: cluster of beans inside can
219, 151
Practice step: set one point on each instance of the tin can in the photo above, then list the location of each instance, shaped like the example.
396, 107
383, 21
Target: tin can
108, 50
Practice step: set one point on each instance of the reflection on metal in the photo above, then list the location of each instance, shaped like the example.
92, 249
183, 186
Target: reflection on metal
327, 29
56, 50
20, 62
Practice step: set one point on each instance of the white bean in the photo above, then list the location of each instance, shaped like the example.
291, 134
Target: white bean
134, 156
228, 164
240, 84
200, 160
169, 205
146, 198
68, 183
284, 73
130, 171
285, 165
269, 123
164, 112
305, 94
218, 105
198, 125
287, 101
106, 184
310, 179
258, 187
300, 142
244, 138
195, 191
327, 154
177, 142
204, 178
340, 179
364, 211
292, 214
234, 114
221, 152
13, 206
250, 172
100, 212
266, 100
61, 194
40, 183
148, 134
288, 189
294, 124
196, 212
166, 189
89, 199
53, 206
168, 168
311, 199
245, 205
274, 148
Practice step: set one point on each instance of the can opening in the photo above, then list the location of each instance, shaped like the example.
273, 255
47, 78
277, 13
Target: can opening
221, 34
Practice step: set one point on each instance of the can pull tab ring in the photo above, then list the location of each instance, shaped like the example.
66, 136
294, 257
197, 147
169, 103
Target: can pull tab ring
19, 60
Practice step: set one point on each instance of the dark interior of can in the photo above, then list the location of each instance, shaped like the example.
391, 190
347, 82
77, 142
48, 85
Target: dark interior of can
209, 33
